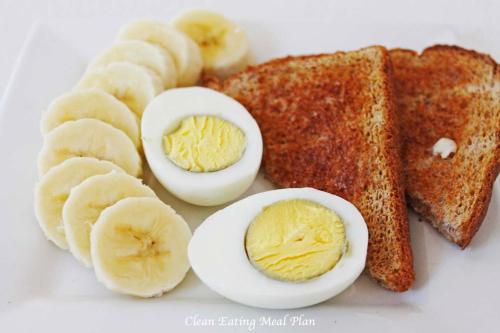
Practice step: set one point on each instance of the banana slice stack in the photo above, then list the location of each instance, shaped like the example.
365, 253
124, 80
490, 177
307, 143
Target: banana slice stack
88, 199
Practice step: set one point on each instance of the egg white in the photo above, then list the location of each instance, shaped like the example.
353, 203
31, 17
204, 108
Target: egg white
218, 257
166, 112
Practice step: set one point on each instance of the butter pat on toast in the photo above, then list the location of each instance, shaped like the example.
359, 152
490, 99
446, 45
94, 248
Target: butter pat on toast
328, 122
449, 92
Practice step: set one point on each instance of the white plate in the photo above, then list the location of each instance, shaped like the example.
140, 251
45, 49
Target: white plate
44, 288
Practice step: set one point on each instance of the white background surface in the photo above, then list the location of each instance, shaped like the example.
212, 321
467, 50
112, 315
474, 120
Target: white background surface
17, 16
43, 288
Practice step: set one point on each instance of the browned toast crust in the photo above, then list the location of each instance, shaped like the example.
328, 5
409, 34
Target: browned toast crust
448, 91
328, 122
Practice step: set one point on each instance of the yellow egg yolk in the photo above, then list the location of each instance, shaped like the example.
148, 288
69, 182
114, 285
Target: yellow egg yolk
295, 240
205, 144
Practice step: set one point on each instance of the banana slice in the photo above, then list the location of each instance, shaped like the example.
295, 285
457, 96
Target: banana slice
130, 83
91, 138
88, 199
92, 103
152, 57
53, 189
223, 44
186, 54
139, 247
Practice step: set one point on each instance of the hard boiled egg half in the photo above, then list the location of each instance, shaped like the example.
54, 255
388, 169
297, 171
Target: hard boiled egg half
203, 146
281, 249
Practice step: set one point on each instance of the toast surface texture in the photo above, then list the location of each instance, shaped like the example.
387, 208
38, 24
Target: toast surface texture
328, 122
449, 92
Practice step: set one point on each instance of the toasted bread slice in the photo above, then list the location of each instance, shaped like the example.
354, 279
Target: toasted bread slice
454, 93
328, 123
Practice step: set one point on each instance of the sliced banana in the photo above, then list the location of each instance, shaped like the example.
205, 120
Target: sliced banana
91, 138
157, 80
139, 247
130, 83
92, 103
186, 54
140, 53
88, 199
223, 44
53, 189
